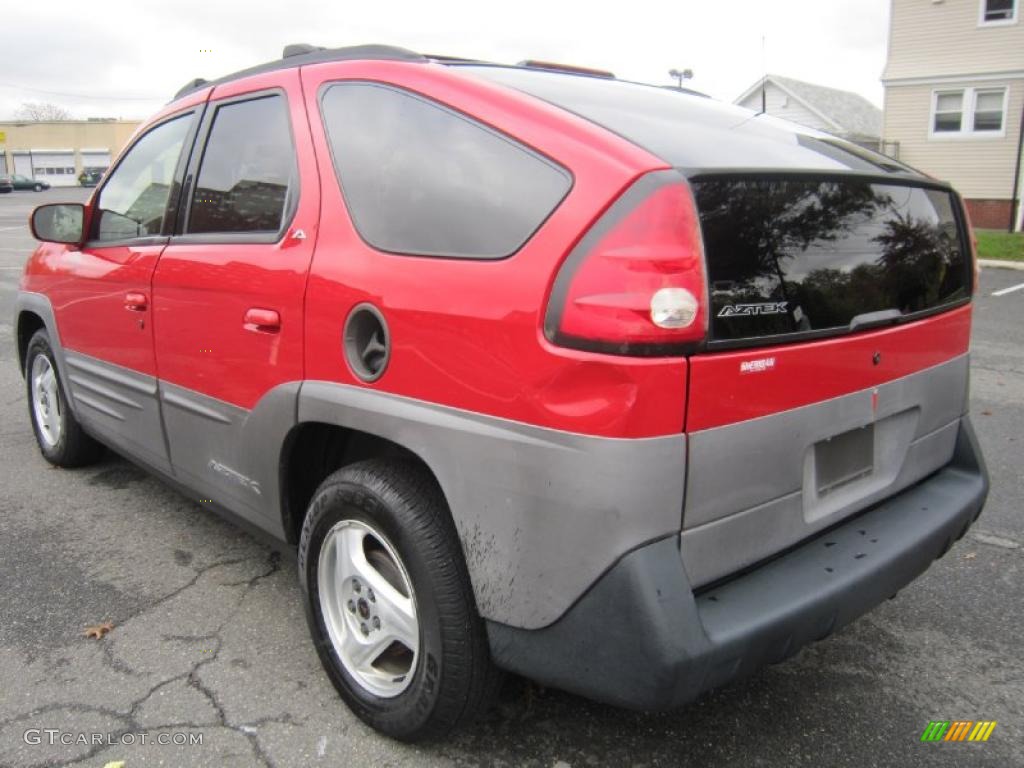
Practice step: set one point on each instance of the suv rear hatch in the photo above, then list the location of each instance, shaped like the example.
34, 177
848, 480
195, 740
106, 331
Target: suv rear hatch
836, 370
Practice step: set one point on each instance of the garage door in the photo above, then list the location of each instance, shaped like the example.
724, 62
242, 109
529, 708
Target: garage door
56, 166
22, 163
95, 158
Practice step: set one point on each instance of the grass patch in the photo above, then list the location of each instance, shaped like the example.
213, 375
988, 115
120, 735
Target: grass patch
1007, 246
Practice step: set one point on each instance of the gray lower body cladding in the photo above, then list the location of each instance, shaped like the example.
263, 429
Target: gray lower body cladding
910, 425
667, 643
541, 513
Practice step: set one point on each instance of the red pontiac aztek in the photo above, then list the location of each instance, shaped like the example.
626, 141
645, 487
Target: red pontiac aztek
612, 386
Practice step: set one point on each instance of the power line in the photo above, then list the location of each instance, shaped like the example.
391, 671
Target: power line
83, 95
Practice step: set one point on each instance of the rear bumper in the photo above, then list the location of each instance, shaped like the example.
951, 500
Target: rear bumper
641, 638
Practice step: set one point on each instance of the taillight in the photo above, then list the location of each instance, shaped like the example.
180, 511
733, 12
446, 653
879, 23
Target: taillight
634, 285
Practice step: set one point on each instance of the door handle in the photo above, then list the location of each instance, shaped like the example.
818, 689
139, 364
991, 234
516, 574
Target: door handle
262, 320
135, 302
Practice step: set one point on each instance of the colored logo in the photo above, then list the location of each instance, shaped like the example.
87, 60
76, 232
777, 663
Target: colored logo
958, 730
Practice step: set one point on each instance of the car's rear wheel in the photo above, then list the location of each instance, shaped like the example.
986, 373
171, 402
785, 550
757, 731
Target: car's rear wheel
389, 602
61, 439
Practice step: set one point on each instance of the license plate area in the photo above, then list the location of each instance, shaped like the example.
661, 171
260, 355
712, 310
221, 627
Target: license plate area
844, 459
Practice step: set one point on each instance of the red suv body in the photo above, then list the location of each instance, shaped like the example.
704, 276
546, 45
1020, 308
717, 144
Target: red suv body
669, 388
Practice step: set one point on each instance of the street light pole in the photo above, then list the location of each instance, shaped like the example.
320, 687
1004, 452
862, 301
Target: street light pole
680, 75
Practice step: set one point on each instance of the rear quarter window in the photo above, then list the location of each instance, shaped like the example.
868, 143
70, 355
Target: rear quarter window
423, 180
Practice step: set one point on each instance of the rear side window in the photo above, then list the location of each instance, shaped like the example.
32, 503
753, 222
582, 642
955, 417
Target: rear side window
421, 179
789, 256
247, 166
133, 202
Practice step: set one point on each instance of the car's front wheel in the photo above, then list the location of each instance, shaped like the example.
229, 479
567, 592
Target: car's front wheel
38, 187
61, 439
389, 602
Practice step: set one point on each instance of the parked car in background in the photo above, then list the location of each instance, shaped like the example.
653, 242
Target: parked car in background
606, 385
6, 185
90, 177
27, 182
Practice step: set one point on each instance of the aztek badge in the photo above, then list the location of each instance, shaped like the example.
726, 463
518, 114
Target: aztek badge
765, 308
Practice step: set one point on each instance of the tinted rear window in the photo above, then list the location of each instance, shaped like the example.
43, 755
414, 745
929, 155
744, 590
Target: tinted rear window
788, 257
422, 179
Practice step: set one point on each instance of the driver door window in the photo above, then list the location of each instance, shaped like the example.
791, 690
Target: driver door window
133, 202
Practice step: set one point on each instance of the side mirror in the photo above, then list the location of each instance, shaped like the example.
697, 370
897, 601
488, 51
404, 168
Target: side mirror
59, 223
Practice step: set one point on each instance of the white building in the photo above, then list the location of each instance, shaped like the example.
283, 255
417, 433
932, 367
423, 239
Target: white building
841, 113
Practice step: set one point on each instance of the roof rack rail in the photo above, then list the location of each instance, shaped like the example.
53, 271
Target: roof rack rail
297, 49
684, 89
445, 59
190, 86
570, 68
301, 54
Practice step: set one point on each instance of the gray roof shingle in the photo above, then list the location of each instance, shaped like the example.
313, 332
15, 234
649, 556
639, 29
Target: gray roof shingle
854, 114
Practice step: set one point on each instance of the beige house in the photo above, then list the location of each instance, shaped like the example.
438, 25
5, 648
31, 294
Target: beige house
954, 94
58, 151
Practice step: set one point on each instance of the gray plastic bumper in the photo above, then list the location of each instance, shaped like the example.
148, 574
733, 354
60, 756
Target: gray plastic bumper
641, 638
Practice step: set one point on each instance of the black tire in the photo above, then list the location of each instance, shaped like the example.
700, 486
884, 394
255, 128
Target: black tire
74, 448
38, 187
454, 679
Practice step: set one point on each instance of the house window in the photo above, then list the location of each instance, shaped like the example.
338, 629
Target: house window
988, 110
949, 112
998, 11
968, 112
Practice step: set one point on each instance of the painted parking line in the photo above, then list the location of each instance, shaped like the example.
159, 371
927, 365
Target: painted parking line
1011, 289
8, 229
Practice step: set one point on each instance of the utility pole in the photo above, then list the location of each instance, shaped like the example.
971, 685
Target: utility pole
1015, 198
764, 75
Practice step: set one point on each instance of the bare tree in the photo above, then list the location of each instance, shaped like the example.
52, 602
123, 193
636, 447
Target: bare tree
38, 112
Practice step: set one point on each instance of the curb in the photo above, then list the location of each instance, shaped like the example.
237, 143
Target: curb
997, 264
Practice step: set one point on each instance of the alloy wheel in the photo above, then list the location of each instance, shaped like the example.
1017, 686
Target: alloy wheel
369, 607
46, 401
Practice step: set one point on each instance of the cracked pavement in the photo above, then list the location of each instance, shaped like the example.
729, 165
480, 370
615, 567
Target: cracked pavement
211, 639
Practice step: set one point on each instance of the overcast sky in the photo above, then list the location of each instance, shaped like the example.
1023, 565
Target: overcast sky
125, 58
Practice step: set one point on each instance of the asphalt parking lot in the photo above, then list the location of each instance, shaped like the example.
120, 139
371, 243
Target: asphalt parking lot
210, 637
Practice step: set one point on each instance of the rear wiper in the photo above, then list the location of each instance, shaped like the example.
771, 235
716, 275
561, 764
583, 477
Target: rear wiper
870, 319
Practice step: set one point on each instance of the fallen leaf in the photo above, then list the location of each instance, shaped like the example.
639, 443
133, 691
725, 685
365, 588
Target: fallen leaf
115, 764
986, 413
97, 631
970, 555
